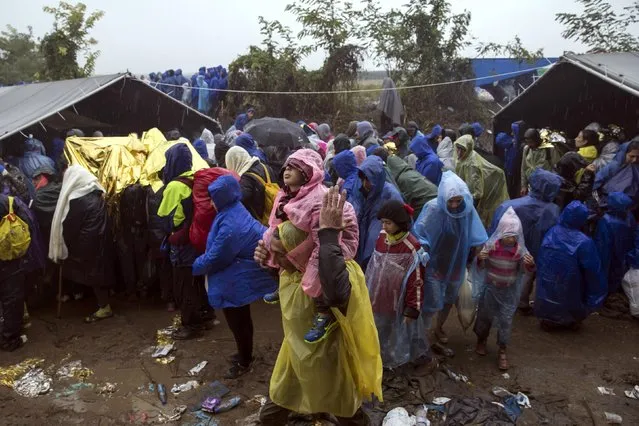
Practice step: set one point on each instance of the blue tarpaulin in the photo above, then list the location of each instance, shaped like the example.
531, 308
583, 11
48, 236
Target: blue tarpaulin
486, 68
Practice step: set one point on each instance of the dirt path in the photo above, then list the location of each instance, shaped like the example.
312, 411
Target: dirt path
557, 371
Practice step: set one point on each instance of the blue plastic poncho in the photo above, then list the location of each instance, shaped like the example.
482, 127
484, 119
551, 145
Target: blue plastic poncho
434, 134
57, 149
570, 280
178, 161
428, 163
33, 158
536, 211
346, 168
200, 147
615, 237
203, 95
448, 237
240, 121
507, 143
195, 93
246, 141
235, 279
605, 174
381, 191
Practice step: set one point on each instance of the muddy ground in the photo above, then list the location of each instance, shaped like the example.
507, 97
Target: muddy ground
560, 372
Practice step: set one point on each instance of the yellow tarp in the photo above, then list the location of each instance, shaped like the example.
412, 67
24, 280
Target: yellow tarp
119, 162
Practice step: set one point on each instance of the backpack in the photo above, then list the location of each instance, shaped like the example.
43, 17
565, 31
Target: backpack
14, 235
270, 193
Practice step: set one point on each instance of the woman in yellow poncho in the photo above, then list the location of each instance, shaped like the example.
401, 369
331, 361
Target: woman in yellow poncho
337, 374
486, 182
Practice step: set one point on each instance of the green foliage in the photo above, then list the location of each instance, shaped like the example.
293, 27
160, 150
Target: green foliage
69, 41
421, 43
328, 23
600, 27
512, 49
20, 57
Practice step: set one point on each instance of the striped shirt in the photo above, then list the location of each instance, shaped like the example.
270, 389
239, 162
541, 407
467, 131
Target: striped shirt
503, 265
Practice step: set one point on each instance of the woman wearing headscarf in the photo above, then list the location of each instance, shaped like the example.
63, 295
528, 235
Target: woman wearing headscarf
235, 279
428, 163
486, 182
250, 169
343, 370
375, 192
447, 228
80, 236
246, 141
570, 281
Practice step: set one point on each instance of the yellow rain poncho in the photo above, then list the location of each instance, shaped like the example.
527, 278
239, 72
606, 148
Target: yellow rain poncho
486, 182
337, 374
156, 159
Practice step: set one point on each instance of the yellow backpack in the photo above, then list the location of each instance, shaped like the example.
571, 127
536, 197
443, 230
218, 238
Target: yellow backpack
270, 193
14, 235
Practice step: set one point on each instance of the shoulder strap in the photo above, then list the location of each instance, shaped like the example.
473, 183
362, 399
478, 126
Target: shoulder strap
10, 205
258, 178
186, 181
268, 176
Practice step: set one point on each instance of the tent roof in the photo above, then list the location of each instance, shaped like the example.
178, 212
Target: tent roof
621, 68
26, 105
577, 90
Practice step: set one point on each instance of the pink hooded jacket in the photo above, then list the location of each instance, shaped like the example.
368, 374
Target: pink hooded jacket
303, 212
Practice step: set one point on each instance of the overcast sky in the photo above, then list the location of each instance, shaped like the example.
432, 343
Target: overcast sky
143, 36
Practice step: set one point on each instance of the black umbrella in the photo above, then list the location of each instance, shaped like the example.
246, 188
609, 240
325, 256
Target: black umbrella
277, 132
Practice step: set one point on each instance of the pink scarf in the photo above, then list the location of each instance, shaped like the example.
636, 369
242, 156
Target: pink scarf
303, 212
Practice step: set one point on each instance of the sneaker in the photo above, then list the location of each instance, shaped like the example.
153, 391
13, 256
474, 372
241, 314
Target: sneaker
99, 315
323, 325
237, 370
272, 298
480, 349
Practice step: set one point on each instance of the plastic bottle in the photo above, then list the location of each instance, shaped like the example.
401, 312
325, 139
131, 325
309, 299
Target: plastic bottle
228, 405
162, 393
422, 419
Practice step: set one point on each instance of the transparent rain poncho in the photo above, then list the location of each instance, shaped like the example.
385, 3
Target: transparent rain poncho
387, 277
497, 302
448, 237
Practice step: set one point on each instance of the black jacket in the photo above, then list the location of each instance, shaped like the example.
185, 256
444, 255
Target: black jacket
253, 190
85, 226
336, 284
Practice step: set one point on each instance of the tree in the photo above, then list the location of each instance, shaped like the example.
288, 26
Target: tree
328, 23
20, 57
513, 49
69, 41
600, 27
421, 43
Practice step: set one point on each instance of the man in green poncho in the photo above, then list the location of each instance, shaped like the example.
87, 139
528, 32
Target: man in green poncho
487, 182
536, 154
415, 188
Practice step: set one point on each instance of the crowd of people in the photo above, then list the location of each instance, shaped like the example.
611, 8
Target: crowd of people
201, 91
364, 240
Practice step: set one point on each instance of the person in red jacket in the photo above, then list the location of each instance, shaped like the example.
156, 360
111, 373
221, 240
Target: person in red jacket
395, 280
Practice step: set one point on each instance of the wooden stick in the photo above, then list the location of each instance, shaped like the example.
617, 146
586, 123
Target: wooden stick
60, 291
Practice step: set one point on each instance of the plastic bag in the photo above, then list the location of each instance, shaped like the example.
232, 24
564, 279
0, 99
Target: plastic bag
399, 417
465, 304
630, 286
